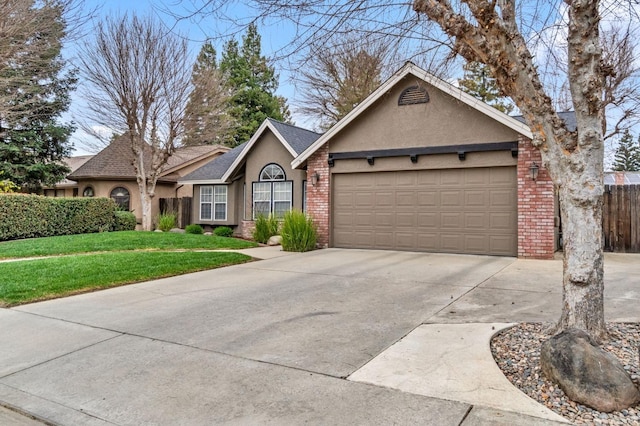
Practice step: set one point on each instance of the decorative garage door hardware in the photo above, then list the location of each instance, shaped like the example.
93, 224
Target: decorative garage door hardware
413, 153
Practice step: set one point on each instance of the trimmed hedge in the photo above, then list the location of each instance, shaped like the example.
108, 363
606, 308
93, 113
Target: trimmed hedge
29, 216
124, 221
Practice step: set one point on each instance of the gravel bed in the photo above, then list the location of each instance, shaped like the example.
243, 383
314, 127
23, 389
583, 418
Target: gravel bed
517, 353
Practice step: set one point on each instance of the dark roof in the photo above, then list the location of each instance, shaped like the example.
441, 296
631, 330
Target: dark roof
298, 138
216, 168
116, 160
569, 118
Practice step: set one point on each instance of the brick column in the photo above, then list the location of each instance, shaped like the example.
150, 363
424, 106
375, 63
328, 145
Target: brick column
535, 206
318, 196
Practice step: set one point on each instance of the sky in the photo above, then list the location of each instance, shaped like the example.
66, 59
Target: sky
277, 36
274, 37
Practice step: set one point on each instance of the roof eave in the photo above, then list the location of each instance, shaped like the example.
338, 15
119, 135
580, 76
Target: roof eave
407, 69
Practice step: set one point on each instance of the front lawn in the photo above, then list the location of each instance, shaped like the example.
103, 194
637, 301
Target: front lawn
33, 280
116, 241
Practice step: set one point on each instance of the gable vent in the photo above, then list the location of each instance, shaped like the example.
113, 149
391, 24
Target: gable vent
413, 95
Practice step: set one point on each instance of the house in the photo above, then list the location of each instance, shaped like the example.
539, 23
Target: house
67, 187
622, 178
252, 179
110, 173
419, 165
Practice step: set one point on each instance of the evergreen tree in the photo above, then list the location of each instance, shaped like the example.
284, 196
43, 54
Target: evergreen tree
253, 83
207, 118
627, 158
479, 83
36, 92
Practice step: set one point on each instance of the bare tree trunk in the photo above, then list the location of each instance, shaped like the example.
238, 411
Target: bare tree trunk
582, 282
146, 204
574, 158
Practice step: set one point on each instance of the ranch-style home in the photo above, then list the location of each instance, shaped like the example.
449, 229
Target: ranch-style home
418, 165
110, 173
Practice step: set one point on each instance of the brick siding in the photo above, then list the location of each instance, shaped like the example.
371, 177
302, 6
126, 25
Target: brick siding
535, 206
318, 196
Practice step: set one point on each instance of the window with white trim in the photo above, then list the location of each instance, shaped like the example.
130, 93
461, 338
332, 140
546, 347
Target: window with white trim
220, 202
206, 202
213, 202
273, 194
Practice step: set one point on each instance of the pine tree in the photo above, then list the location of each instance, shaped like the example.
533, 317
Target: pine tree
479, 83
207, 118
36, 92
627, 157
253, 83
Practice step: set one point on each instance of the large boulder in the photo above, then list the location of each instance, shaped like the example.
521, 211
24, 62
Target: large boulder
586, 373
276, 240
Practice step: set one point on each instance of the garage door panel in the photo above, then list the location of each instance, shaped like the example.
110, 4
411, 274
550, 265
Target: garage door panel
477, 221
451, 198
364, 219
406, 219
427, 198
451, 220
428, 220
384, 219
454, 211
475, 198
452, 243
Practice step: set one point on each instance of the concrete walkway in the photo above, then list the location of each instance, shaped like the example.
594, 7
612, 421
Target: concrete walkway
327, 337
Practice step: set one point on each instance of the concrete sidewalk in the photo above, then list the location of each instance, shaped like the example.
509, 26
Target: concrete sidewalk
332, 337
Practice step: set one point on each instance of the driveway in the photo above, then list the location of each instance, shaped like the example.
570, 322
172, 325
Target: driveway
270, 341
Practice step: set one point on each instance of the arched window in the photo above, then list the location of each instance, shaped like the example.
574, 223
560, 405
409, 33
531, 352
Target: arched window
121, 196
272, 172
272, 194
88, 192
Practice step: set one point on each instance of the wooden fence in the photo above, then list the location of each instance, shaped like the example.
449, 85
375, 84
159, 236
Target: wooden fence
621, 218
181, 207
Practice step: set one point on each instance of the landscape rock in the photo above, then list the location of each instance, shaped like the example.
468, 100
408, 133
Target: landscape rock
586, 373
177, 231
158, 230
276, 240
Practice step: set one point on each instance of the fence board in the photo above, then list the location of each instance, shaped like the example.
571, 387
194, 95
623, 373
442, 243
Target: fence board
181, 207
621, 221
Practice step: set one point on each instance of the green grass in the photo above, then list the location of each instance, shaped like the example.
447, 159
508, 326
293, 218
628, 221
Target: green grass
33, 280
116, 241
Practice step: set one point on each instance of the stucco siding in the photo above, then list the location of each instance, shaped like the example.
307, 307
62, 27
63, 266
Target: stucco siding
442, 121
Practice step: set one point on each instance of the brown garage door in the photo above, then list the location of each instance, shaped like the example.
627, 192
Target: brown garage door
453, 211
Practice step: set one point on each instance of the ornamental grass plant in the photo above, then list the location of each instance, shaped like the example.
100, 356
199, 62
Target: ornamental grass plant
299, 233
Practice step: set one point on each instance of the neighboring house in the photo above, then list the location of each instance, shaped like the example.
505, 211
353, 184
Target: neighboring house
622, 178
254, 178
418, 165
66, 187
110, 173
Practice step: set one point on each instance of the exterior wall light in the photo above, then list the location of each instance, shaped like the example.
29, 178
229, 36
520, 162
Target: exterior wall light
315, 177
533, 170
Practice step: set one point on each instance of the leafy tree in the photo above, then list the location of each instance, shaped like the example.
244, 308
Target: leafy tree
35, 92
207, 119
627, 158
479, 83
253, 83
137, 78
336, 78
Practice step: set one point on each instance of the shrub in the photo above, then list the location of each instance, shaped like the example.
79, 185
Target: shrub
194, 229
125, 221
266, 227
223, 231
166, 221
29, 216
298, 233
